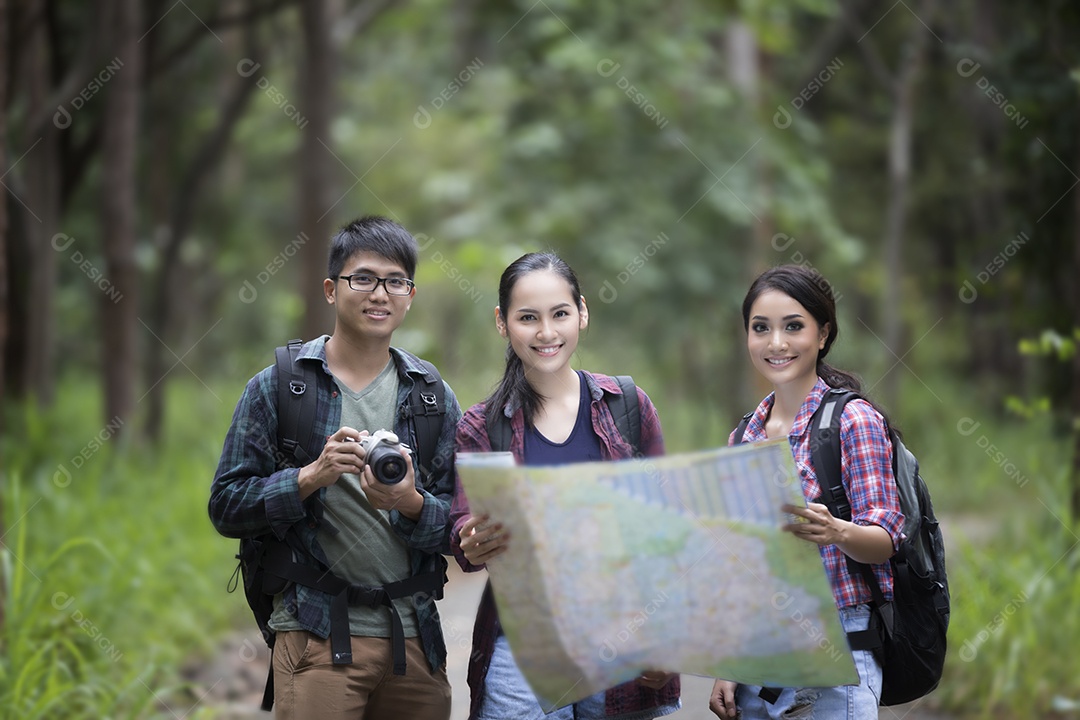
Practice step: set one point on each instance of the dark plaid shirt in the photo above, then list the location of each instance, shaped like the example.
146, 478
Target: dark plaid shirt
253, 494
472, 437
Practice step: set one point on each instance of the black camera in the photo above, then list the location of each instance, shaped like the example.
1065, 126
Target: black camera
384, 457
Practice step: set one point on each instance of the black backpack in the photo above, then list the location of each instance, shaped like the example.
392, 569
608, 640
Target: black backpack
907, 634
268, 564
624, 409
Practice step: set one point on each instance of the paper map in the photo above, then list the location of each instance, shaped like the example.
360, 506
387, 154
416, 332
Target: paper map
674, 563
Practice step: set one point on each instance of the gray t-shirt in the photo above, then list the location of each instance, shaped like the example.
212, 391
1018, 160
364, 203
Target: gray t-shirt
364, 549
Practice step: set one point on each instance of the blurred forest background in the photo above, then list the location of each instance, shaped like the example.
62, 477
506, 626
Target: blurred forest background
171, 172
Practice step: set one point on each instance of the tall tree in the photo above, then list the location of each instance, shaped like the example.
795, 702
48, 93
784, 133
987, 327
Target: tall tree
318, 163
1075, 400
325, 27
901, 88
57, 132
4, 315
40, 207
235, 92
3, 260
119, 211
745, 62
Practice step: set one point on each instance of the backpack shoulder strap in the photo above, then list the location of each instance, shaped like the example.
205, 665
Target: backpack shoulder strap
626, 410
499, 432
427, 406
825, 455
825, 450
740, 430
296, 400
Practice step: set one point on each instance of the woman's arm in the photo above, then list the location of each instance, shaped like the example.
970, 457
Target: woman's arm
866, 458
868, 544
874, 531
471, 436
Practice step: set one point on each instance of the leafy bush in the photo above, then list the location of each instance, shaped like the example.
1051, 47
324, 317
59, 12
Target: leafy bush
112, 574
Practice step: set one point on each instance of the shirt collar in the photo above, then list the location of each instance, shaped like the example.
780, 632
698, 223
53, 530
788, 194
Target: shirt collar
316, 350
809, 407
756, 428
597, 384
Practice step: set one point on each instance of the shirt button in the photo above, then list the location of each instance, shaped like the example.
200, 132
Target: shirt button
313, 525
333, 394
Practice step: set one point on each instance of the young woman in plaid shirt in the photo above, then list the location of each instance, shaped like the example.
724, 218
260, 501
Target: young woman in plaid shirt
790, 319
557, 415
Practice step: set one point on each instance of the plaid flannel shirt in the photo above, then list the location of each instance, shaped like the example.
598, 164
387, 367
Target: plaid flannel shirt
253, 494
472, 437
867, 474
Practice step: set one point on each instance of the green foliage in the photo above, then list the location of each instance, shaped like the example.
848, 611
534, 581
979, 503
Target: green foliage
1051, 344
1001, 490
1014, 585
113, 576
1055, 349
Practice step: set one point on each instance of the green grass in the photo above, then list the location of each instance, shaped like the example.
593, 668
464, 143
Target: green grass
1014, 627
113, 576
1000, 487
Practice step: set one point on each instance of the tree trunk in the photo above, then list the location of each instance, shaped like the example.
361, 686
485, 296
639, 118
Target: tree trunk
1075, 428
40, 204
4, 314
900, 154
164, 318
3, 270
317, 164
744, 60
118, 213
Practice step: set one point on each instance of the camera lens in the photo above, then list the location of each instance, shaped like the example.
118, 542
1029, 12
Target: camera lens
387, 465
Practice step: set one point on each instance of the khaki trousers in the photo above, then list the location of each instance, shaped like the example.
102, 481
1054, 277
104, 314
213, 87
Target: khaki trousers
307, 685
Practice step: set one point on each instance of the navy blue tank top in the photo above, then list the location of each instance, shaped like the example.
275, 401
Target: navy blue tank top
582, 445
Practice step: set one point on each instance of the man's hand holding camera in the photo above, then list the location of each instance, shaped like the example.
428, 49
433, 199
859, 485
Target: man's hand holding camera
388, 480
340, 454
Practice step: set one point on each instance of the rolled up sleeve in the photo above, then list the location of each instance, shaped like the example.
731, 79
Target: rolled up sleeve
868, 473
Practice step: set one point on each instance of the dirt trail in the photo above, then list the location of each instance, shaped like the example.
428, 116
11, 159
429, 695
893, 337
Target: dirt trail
233, 682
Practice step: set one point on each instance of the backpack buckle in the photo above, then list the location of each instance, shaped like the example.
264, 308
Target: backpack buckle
430, 406
297, 387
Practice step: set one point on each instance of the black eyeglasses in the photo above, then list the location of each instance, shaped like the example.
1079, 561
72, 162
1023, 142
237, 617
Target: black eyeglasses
367, 283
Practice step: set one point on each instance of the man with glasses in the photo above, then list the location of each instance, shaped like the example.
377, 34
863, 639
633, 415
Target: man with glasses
336, 511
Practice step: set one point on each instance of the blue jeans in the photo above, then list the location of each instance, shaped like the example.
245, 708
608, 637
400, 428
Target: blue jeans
846, 702
507, 696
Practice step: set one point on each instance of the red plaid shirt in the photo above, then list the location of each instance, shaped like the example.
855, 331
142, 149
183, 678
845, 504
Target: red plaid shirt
867, 474
472, 437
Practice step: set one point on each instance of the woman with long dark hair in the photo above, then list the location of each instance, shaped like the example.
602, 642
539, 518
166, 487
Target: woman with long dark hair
557, 415
789, 315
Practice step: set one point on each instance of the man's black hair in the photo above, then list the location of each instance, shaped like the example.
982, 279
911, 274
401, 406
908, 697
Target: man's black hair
374, 234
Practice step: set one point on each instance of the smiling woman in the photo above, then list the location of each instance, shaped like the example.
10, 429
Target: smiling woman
789, 314
784, 341
542, 323
556, 415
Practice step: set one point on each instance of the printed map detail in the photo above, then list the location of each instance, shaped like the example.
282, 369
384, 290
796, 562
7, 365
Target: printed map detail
675, 563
